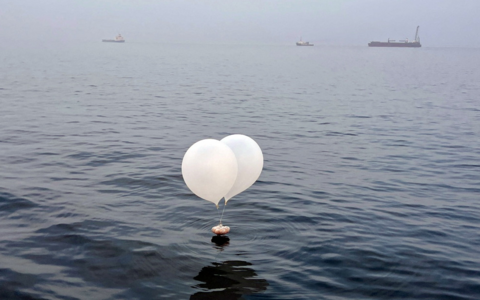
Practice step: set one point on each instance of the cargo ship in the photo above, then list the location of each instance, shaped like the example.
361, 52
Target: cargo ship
118, 39
400, 43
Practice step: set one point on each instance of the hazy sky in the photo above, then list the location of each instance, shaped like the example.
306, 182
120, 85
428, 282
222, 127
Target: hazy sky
342, 22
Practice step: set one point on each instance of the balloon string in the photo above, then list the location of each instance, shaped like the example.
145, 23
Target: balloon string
223, 212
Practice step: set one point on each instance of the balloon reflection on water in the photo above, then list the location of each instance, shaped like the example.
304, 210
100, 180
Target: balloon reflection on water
221, 241
228, 280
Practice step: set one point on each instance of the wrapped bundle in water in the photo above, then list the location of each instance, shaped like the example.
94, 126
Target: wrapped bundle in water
220, 229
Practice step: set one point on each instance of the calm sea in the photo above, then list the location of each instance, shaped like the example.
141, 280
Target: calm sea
370, 190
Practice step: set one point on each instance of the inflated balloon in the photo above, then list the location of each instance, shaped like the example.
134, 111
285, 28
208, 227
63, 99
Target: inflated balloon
209, 169
249, 160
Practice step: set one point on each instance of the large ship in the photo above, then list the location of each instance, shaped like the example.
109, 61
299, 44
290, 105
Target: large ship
400, 43
302, 43
118, 39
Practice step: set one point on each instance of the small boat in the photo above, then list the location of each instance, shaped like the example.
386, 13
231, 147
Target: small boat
118, 39
302, 43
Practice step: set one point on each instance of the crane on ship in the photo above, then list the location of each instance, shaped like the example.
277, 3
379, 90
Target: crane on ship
417, 38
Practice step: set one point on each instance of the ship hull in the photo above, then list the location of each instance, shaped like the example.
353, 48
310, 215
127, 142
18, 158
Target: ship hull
112, 41
396, 45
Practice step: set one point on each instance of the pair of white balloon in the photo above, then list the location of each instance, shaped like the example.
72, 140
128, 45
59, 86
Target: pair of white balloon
215, 169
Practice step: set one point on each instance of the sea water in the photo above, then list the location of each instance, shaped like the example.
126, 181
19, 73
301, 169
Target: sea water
370, 187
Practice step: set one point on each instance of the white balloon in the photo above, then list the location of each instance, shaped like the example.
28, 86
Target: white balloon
249, 160
209, 169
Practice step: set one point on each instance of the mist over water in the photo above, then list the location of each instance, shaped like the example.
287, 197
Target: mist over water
370, 187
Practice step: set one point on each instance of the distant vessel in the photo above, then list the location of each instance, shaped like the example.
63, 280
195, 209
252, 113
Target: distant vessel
302, 43
400, 43
118, 39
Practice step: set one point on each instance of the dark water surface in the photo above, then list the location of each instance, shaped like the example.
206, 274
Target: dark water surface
371, 185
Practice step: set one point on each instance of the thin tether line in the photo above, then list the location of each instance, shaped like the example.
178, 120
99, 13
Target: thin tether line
218, 213
223, 212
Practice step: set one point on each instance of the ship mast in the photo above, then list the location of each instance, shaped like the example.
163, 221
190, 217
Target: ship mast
416, 34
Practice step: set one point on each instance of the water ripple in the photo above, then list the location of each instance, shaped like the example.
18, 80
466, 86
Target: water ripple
369, 190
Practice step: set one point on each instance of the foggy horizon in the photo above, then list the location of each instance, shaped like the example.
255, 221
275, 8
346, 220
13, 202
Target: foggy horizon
443, 23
